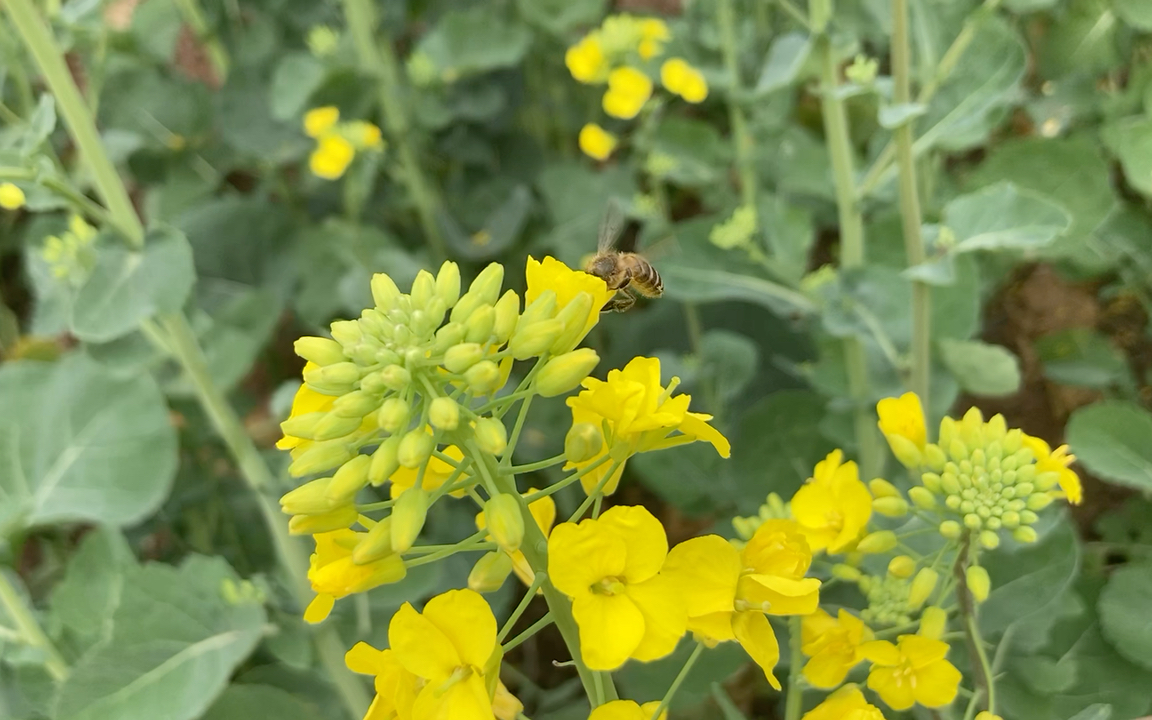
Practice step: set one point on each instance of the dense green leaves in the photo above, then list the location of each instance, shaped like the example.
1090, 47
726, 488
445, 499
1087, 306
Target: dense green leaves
1113, 439
1027, 581
1124, 618
1004, 217
981, 369
466, 42
242, 702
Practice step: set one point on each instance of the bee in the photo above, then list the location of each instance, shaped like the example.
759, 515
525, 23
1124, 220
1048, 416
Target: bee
627, 273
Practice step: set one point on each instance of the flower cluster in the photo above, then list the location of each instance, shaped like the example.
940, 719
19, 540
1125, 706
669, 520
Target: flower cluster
622, 54
71, 255
337, 142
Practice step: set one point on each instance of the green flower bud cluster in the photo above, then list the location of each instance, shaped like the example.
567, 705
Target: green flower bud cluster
983, 476
774, 508
887, 600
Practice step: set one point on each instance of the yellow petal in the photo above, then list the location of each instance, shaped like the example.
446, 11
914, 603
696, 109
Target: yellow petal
421, 647
785, 595
319, 609
466, 619
580, 556
706, 570
936, 684
813, 628
893, 689
922, 651
855, 505
713, 626
318, 121
620, 710
755, 634
665, 618
644, 539
880, 652
649, 708
364, 659
611, 627
826, 670
596, 142
696, 426
466, 699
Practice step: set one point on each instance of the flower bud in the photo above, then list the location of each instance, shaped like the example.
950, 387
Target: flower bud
349, 479
931, 481
574, 315
1027, 517
889, 506
534, 340
444, 413
311, 498
478, 326
332, 426
507, 315
448, 337
321, 351
461, 357
356, 404
882, 488
408, 517
336, 376
342, 517
487, 284
376, 544
388, 569
504, 521
1045, 480
933, 623
490, 572
542, 308
483, 377
989, 540
346, 332
319, 457
1035, 501
491, 435
979, 584
1025, 534
901, 566
583, 442
845, 572
423, 289
934, 457
393, 415
384, 291
302, 426
985, 715
396, 377
505, 705
922, 498
905, 451
385, 461
565, 372
922, 586
448, 283
878, 542
415, 448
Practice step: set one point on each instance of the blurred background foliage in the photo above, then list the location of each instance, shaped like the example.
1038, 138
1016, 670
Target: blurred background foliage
125, 521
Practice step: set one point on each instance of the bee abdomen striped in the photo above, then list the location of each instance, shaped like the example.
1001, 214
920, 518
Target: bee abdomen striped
646, 279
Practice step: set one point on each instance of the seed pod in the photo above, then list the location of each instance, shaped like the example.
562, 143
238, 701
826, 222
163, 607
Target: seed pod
415, 448
979, 584
448, 283
463, 356
408, 517
505, 522
444, 413
321, 351
491, 435
384, 291
564, 373
490, 572
583, 442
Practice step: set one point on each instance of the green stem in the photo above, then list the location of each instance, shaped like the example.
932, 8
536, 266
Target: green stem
985, 679
82, 204
532, 467
741, 137
532, 630
29, 628
472, 543
557, 487
910, 204
851, 227
378, 59
194, 16
529, 595
794, 703
680, 677
592, 496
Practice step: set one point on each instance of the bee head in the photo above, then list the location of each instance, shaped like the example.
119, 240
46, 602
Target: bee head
602, 266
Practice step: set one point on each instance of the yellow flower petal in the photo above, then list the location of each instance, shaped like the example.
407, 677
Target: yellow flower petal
937, 684
586, 61
611, 627
665, 618
551, 274
319, 609
332, 156
465, 699
580, 556
619, 710
421, 647
318, 121
785, 596
364, 659
596, 142
755, 635
466, 619
880, 652
715, 626
706, 570
11, 196
644, 539
628, 90
847, 703
894, 689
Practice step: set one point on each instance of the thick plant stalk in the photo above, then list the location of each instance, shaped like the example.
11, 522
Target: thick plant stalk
741, 137
910, 205
177, 335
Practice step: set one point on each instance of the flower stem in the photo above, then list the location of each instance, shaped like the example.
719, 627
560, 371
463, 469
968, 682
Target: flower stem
910, 204
378, 59
595, 493
680, 677
532, 467
794, 703
532, 630
741, 137
29, 629
557, 487
982, 669
529, 595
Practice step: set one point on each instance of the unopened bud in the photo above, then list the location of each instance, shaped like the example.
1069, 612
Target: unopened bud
901, 566
491, 435
1025, 534
934, 457
933, 623
336, 375
311, 498
1036, 501
463, 356
985, 715
423, 289
534, 340
302, 426
486, 286
384, 291
845, 572
931, 481
448, 283
878, 542
564, 373
507, 315
490, 572
444, 413
408, 517
415, 448
882, 488
333, 426
905, 451
393, 415
448, 337
483, 377
321, 351
478, 326
583, 442
396, 377
321, 456
922, 586
542, 308
1045, 480
889, 506
574, 315
342, 517
350, 478
922, 498
1027, 517
376, 544
385, 461
989, 540
504, 521
356, 404
979, 584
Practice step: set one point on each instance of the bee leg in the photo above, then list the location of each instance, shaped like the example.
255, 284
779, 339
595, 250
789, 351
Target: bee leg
620, 302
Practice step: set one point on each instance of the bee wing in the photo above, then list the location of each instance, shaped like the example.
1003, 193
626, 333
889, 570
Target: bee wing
666, 246
610, 226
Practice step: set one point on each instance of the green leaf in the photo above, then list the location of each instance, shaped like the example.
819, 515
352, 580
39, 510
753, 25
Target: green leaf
175, 642
156, 29
1028, 579
1099, 711
702, 483
893, 116
1113, 439
560, 17
128, 286
691, 152
1080, 40
78, 444
1082, 357
789, 232
1130, 140
981, 369
785, 59
1124, 618
84, 600
728, 361
1137, 13
244, 702
576, 197
501, 228
476, 40
1004, 217
39, 126
297, 76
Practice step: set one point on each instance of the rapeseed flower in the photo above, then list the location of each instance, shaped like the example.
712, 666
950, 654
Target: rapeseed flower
305, 402
1057, 461
653, 34
586, 61
334, 574
914, 670
552, 275
396, 688
610, 567
680, 78
626, 710
847, 703
337, 143
902, 422
596, 142
834, 506
628, 90
436, 473
832, 645
71, 255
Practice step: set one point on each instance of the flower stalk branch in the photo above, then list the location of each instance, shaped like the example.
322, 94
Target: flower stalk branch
29, 629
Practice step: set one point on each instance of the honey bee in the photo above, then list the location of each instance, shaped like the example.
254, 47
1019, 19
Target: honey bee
627, 273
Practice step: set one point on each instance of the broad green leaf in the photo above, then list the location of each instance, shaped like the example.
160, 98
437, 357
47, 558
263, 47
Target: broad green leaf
156, 29
562, 16
688, 152
789, 232
1027, 6
85, 598
142, 106
247, 125
27, 692
1113, 439
476, 40
1004, 217
1082, 357
39, 126
728, 362
1029, 579
1124, 618
128, 286
297, 76
502, 227
576, 198
702, 484
894, 116
244, 702
78, 444
1099, 711
981, 369
1080, 40
1130, 140
785, 59
1137, 13
175, 642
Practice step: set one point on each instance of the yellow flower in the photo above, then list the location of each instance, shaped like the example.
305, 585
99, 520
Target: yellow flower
396, 688
1057, 461
640, 414
678, 77
912, 671
305, 401
653, 34
834, 506
627, 710
728, 591
833, 644
365, 135
596, 142
610, 567
586, 61
847, 703
318, 121
902, 422
544, 512
628, 90
332, 156
333, 574
450, 646
435, 474
551, 274
12, 197
505, 705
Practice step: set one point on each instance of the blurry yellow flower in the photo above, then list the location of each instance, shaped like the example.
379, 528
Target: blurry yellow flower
11, 197
728, 591
435, 474
586, 61
1057, 461
596, 142
332, 156
912, 671
505, 705
834, 506
640, 414
847, 703
610, 567
305, 401
551, 274
902, 422
319, 121
544, 512
678, 77
449, 645
365, 135
833, 646
653, 34
333, 574
627, 710
628, 90
396, 688
985, 715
